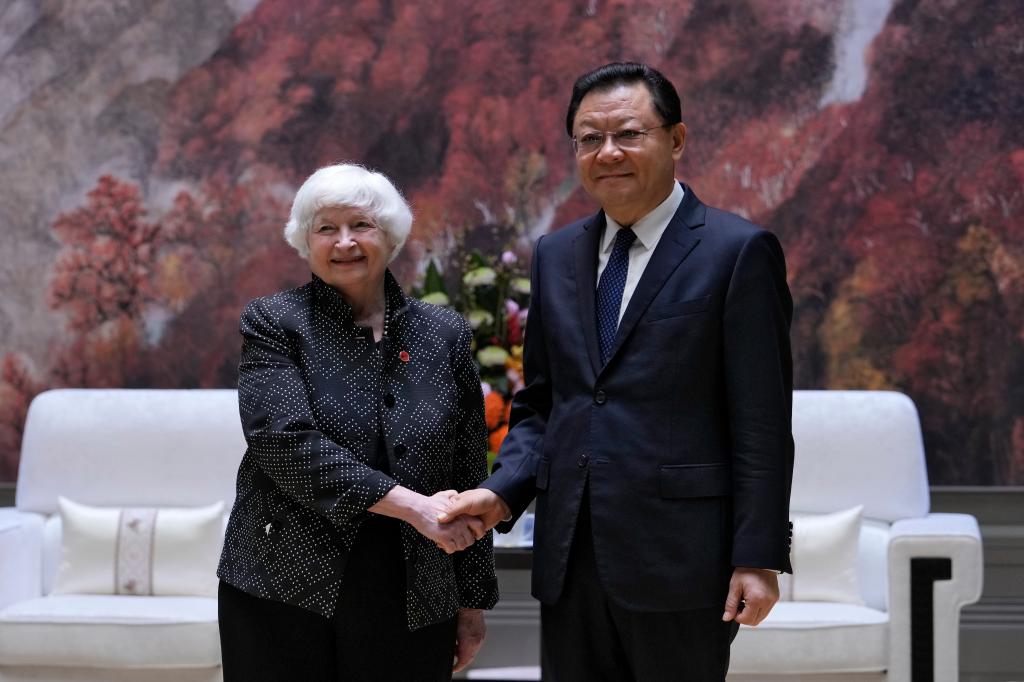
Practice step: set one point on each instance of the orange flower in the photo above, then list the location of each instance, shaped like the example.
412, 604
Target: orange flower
494, 410
498, 435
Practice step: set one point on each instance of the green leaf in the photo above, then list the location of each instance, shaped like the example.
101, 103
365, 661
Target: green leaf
432, 280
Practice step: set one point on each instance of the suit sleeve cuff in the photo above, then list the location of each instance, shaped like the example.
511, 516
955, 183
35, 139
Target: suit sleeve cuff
482, 595
361, 496
514, 496
757, 553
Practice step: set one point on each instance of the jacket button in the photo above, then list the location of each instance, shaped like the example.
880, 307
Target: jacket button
389, 401
582, 461
400, 450
600, 398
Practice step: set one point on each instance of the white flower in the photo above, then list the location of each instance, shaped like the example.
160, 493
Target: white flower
492, 356
479, 318
479, 277
435, 298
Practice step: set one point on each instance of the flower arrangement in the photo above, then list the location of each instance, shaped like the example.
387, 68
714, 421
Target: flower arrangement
493, 297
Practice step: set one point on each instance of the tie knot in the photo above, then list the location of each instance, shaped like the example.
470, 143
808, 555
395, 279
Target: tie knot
624, 239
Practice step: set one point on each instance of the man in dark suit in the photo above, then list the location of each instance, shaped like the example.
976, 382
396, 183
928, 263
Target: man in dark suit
654, 429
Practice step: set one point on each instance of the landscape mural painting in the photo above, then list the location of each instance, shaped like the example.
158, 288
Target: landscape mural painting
149, 153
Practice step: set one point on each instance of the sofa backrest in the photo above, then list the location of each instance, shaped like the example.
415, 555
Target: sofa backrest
130, 447
858, 447
181, 447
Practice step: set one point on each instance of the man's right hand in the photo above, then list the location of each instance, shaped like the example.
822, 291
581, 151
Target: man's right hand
452, 537
482, 503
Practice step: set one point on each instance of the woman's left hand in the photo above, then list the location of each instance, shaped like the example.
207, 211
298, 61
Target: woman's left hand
470, 631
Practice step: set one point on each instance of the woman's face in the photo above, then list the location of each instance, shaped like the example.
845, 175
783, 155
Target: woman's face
347, 249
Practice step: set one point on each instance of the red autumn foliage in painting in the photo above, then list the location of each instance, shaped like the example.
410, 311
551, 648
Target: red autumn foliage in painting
104, 271
222, 245
17, 388
150, 315
901, 211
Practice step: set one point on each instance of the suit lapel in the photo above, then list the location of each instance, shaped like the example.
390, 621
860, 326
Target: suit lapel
585, 275
675, 245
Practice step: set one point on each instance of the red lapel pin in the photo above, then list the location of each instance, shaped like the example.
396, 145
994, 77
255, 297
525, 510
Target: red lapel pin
403, 356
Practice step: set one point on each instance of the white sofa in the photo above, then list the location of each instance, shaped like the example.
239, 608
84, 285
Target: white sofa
131, 448
863, 448
182, 447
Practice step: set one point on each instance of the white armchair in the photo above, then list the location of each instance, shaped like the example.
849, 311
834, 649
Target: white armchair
122, 448
915, 570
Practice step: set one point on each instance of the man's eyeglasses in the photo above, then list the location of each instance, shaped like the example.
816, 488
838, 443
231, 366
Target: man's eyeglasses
628, 138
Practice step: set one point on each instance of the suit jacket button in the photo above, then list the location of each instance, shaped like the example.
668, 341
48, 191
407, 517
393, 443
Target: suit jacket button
400, 450
600, 398
389, 401
582, 461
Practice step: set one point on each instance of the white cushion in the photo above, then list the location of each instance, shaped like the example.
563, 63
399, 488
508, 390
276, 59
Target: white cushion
813, 637
858, 447
824, 556
130, 448
139, 551
51, 540
110, 631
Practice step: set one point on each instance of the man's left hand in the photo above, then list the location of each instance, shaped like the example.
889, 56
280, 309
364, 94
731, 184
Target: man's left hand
757, 589
470, 631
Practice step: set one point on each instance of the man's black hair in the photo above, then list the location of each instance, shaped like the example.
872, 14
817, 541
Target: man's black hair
663, 93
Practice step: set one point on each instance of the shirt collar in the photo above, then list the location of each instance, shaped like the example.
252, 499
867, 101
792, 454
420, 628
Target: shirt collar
649, 228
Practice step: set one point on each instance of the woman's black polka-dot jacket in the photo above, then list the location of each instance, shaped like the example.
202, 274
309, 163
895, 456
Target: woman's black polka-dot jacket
315, 393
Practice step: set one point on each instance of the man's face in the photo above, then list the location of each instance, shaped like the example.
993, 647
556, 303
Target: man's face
628, 182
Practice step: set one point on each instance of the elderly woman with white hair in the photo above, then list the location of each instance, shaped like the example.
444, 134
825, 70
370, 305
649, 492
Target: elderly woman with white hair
363, 415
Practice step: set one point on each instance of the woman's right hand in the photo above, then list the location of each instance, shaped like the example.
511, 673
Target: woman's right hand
421, 512
453, 536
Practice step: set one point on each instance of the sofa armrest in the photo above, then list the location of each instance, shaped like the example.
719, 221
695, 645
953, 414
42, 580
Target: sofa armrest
21, 556
935, 568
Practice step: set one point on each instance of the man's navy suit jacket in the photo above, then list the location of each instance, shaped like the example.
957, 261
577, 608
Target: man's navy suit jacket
684, 435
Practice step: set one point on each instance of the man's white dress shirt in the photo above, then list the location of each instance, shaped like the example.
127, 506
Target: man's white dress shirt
648, 232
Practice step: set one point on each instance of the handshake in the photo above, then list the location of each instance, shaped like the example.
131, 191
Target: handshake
454, 521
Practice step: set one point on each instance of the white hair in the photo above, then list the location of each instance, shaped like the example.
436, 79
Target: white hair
349, 185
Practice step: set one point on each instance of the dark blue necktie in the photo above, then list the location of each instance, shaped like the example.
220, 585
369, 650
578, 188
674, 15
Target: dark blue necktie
609, 291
